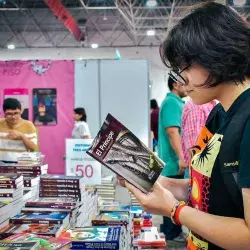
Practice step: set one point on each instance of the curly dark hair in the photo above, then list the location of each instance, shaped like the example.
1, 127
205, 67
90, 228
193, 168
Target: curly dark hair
213, 36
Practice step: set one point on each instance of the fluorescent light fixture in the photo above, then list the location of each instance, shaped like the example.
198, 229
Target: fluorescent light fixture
150, 32
151, 3
239, 2
11, 46
94, 46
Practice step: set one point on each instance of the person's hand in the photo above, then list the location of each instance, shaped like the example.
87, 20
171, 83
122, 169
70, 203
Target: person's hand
13, 135
182, 167
160, 201
120, 180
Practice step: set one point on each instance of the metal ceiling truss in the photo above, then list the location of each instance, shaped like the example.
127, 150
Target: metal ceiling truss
110, 23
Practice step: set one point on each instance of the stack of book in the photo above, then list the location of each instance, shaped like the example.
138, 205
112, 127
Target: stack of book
30, 158
68, 205
11, 196
113, 218
151, 239
88, 209
134, 201
62, 186
27, 170
31, 184
106, 191
100, 237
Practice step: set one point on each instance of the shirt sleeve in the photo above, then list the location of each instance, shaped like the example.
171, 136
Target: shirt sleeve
244, 171
195, 120
84, 130
32, 133
171, 114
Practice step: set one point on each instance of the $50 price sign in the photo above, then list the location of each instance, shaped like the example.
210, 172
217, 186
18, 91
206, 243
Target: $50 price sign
81, 164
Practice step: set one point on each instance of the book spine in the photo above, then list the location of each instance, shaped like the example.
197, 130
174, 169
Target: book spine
11, 182
50, 206
41, 194
57, 181
23, 168
2, 186
8, 195
58, 186
59, 191
36, 221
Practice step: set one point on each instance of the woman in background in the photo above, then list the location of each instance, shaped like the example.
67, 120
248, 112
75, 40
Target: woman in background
81, 128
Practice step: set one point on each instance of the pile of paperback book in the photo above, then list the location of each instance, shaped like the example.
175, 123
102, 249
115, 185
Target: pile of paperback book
106, 191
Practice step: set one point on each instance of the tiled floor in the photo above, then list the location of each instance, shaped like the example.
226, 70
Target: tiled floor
157, 220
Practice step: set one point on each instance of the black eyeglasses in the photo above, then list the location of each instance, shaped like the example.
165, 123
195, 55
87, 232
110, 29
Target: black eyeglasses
176, 76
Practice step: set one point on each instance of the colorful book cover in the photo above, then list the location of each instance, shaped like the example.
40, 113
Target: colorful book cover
111, 218
121, 151
114, 208
94, 237
41, 229
40, 217
45, 242
4, 245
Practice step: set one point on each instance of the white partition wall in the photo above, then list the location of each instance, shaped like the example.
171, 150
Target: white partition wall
87, 92
125, 94
117, 87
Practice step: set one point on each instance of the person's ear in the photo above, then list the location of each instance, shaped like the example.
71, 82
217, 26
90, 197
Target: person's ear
175, 86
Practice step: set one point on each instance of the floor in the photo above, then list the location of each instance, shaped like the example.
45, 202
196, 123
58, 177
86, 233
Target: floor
157, 220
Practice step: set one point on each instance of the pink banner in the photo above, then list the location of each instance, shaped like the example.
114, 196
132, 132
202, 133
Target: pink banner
45, 74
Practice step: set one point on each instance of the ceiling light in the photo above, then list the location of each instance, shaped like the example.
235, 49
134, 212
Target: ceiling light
11, 46
150, 32
151, 3
239, 2
105, 18
94, 46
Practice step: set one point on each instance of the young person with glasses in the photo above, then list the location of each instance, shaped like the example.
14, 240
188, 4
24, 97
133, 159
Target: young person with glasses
16, 135
209, 50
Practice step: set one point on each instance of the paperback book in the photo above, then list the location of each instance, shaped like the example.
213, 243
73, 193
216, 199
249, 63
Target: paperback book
5, 245
121, 151
96, 238
40, 229
45, 242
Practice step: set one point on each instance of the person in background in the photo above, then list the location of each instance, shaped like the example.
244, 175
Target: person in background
81, 128
169, 146
193, 120
16, 135
154, 121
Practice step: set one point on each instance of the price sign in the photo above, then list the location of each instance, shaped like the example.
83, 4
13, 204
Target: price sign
79, 163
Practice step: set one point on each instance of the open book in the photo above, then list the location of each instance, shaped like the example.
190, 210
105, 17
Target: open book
121, 151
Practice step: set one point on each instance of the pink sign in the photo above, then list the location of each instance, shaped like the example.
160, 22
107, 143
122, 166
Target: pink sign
45, 74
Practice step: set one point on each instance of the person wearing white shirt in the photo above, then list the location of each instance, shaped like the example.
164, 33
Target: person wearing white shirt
81, 128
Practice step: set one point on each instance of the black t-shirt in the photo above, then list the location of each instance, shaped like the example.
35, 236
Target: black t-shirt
208, 192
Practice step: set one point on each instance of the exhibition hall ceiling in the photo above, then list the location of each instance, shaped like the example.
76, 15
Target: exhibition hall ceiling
103, 23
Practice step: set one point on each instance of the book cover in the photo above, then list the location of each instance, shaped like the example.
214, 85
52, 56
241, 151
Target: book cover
121, 151
5, 245
113, 208
111, 218
45, 242
49, 202
42, 218
94, 237
40, 229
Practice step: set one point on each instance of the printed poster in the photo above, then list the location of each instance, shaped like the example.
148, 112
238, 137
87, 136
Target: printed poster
22, 95
78, 163
45, 107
